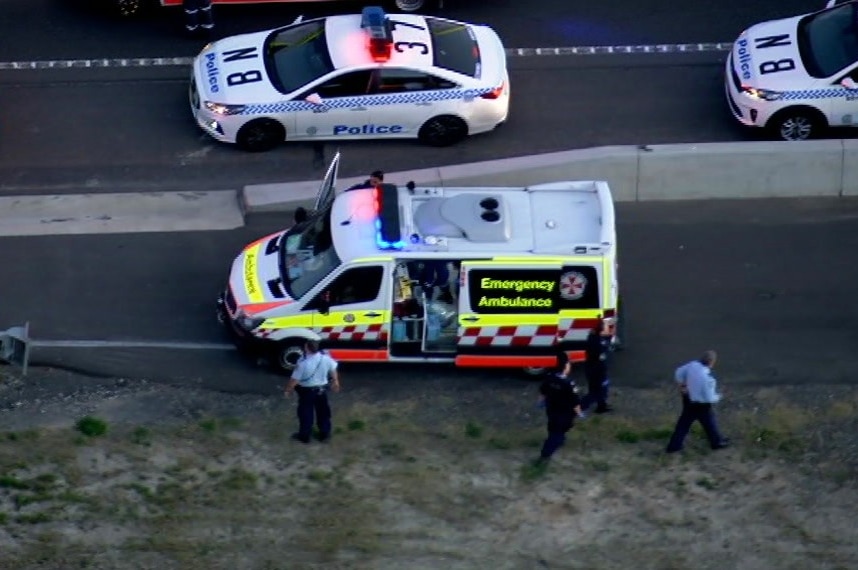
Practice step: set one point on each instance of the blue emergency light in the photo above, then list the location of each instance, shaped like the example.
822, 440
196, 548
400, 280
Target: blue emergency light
388, 234
377, 26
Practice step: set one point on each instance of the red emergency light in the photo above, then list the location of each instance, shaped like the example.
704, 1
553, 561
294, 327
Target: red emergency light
379, 35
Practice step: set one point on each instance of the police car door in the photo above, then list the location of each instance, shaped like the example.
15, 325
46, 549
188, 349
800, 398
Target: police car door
408, 98
351, 312
338, 107
508, 313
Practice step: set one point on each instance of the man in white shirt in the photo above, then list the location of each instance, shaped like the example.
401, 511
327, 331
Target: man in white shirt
313, 375
699, 392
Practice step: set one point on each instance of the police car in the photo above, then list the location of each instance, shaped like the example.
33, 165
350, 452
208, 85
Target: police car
472, 276
368, 75
798, 75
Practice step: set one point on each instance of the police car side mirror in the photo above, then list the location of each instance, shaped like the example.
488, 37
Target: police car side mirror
313, 99
848, 83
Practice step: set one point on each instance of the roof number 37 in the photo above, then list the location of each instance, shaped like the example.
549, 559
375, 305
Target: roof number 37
402, 46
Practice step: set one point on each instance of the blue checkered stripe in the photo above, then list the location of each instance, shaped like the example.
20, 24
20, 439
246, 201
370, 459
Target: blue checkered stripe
828, 93
366, 100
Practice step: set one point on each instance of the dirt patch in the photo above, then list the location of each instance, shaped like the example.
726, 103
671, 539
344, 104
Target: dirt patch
190, 479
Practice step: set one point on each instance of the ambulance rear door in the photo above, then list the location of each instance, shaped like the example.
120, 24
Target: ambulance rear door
508, 313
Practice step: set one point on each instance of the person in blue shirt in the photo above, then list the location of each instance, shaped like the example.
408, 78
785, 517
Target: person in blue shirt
699, 392
313, 375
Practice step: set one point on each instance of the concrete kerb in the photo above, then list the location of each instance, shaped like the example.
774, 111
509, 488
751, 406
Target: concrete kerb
651, 172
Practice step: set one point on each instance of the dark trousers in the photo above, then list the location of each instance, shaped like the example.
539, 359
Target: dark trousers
695, 412
558, 426
597, 390
198, 14
313, 402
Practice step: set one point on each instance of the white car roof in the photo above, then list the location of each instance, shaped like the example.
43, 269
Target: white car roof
347, 43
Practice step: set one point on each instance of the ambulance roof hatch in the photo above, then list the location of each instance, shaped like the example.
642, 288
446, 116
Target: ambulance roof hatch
476, 217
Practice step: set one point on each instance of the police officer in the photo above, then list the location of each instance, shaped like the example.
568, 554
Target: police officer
198, 17
376, 178
559, 396
596, 368
313, 375
699, 392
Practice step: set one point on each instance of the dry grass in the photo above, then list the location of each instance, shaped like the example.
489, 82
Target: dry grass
393, 492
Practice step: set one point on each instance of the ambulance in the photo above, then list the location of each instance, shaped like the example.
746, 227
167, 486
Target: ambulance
475, 276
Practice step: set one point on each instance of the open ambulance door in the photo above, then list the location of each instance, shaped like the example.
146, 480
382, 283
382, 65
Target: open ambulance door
328, 190
508, 314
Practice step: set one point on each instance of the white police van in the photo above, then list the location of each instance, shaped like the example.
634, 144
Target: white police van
798, 75
368, 75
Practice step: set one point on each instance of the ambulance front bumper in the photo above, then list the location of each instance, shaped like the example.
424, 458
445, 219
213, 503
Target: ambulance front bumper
243, 339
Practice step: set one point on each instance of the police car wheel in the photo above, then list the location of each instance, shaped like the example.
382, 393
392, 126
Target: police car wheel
288, 353
260, 135
797, 124
409, 5
443, 131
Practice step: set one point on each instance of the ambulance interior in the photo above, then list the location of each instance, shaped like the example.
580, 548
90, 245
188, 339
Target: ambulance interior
425, 307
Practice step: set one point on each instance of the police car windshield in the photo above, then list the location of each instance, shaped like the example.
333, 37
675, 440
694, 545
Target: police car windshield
308, 254
454, 47
828, 41
297, 55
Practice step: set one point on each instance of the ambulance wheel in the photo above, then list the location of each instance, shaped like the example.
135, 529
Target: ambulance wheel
534, 371
260, 135
797, 124
287, 353
443, 130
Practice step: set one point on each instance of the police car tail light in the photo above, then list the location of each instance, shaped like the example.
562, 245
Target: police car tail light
388, 234
494, 93
223, 109
379, 34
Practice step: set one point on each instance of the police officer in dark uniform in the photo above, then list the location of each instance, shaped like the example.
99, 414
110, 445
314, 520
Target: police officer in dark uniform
198, 17
560, 399
596, 368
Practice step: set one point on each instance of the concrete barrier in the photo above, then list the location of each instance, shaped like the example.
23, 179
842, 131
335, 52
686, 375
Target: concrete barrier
650, 172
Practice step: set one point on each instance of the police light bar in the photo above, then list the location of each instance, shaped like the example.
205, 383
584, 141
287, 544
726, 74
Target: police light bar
377, 26
388, 234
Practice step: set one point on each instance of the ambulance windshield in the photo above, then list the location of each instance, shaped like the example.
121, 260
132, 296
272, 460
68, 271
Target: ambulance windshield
308, 254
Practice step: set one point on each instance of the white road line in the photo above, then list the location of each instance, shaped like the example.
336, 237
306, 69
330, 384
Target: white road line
130, 344
510, 52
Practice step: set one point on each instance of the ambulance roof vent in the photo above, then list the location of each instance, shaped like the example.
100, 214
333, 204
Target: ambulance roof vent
476, 217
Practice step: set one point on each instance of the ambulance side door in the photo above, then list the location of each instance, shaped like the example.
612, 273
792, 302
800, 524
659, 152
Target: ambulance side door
504, 306
351, 311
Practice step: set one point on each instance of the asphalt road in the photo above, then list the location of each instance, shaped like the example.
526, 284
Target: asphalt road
130, 129
770, 284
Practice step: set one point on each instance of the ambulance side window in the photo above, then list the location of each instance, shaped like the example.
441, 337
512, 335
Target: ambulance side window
356, 285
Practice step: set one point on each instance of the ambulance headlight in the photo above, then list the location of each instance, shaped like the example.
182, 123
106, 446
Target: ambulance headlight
223, 109
763, 94
247, 322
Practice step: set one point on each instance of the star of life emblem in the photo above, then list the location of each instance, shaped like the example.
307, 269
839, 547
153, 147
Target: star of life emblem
572, 285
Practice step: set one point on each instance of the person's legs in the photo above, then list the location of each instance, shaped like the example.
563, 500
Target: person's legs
683, 424
323, 416
706, 417
306, 406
